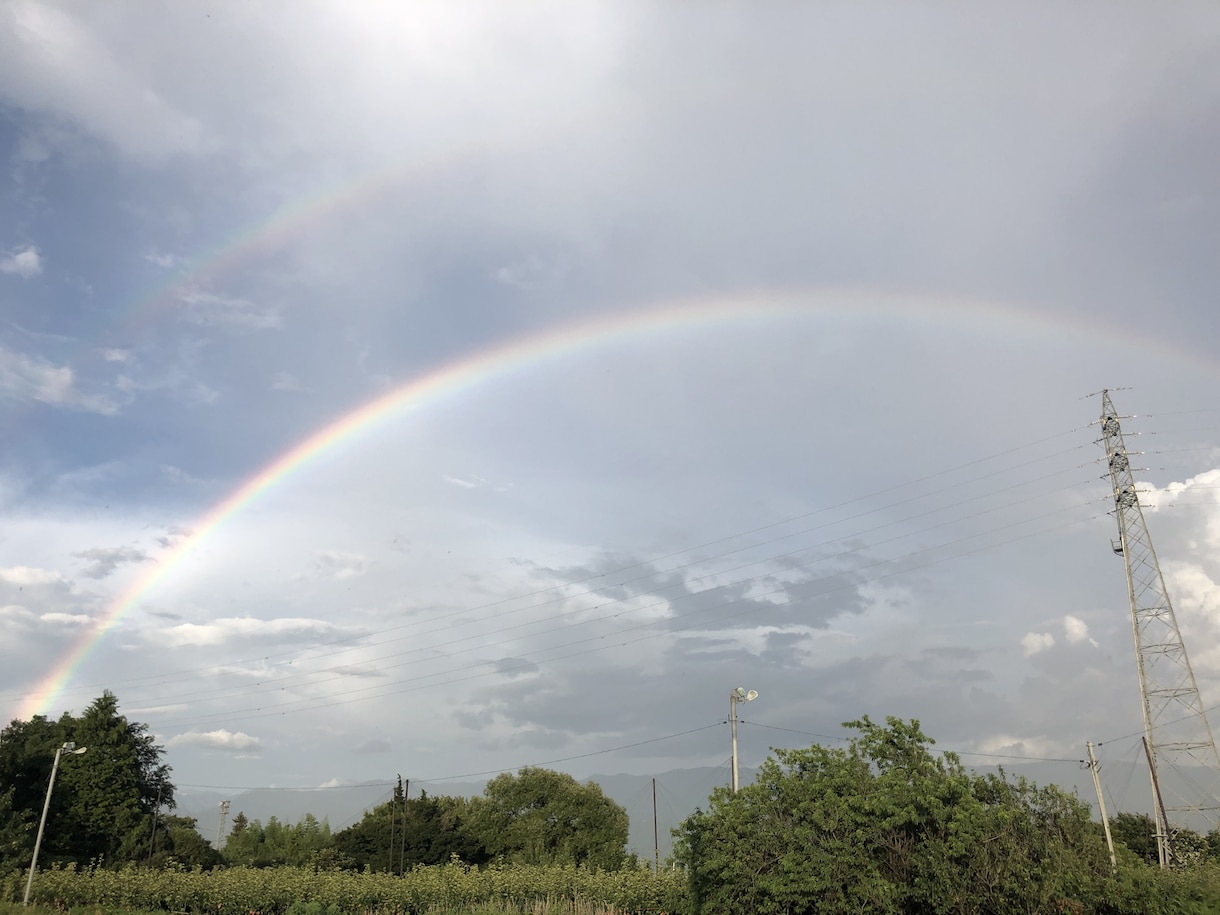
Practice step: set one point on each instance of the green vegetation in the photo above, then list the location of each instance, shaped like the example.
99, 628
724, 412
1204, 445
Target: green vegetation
275, 891
107, 805
882, 825
886, 826
539, 816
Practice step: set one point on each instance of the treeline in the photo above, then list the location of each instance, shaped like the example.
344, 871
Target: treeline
113, 806
536, 817
882, 825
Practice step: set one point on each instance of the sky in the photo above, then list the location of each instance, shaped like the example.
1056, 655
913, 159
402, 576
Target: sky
440, 389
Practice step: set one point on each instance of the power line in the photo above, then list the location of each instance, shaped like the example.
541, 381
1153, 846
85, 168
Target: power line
604, 641
315, 678
772, 727
653, 561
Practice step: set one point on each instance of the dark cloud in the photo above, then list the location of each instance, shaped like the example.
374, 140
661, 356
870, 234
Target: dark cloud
104, 560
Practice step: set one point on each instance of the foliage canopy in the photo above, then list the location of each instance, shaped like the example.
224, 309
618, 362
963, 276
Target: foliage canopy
540, 816
107, 803
884, 825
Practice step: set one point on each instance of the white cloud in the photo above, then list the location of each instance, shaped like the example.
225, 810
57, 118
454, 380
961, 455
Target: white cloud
235, 741
66, 619
222, 630
474, 482
340, 565
27, 575
1022, 746
15, 613
164, 261
208, 310
50, 61
1075, 629
116, 355
24, 262
529, 274
1201, 492
178, 475
33, 378
1034, 642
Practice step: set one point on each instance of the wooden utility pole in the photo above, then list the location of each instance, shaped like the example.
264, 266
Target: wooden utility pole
656, 844
402, 857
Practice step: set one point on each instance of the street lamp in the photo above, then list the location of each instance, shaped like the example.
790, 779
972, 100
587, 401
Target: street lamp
738, 695
68, 747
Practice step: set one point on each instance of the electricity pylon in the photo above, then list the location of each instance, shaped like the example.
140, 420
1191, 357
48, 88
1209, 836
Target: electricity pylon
1178, 739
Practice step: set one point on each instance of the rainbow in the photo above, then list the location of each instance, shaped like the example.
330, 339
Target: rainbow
467, 373
471, 371
286, 223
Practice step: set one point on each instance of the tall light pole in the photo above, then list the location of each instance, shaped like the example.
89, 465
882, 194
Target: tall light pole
737, 695
68, 747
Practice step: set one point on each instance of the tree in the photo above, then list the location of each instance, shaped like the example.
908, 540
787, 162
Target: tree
104, 802
886, 826
119, 786
540, 816
1137, 831
27, 751
255, 845
401, 833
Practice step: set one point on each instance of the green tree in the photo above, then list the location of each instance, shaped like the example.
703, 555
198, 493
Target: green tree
1137, 831
884, 825
401, 833
103, 804
540, 816
27, 751
114, 790
250, 843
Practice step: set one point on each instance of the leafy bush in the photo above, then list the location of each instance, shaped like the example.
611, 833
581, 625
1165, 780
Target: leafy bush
886, 826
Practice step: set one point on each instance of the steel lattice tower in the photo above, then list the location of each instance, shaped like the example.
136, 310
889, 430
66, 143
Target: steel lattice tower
1178, 739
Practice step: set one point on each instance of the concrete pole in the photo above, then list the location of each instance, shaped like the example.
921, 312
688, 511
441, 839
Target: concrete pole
1101, 805
733, 726
42, 824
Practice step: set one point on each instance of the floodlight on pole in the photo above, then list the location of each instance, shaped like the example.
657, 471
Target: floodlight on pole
738, 695
68, 747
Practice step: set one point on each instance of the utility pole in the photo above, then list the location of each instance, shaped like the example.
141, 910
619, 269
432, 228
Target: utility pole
1094, 766
735, 696
393, 817
152, 840
656, 844
1176, 732
402, 856
68, 747
224, 815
